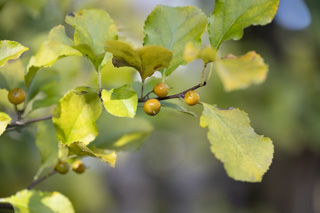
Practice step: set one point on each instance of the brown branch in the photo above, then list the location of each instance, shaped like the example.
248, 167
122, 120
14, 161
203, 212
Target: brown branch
40, 180
179, 95
22, 123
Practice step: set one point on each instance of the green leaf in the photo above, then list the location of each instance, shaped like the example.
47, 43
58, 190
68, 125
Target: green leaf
4, 121
130, 138
75, 115
241, 72
177, 107
10, 50
47, 145
12, 75
230, 17
206, 54
33, 201
81, 149
121, 102
173, 28
57, 46
246, 155
93, 27
146, 60
52, 96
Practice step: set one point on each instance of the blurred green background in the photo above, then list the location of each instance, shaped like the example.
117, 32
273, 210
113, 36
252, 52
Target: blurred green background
175, 171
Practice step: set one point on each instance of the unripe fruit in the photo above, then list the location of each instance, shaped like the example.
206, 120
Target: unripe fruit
78, 167
62, 167
161, 89
152, 107
16, 96
191, 97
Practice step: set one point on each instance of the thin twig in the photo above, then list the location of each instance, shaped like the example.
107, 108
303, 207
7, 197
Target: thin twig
22, 123
179, 95
40, 180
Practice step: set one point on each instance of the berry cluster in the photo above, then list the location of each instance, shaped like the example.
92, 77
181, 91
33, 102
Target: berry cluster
152, 106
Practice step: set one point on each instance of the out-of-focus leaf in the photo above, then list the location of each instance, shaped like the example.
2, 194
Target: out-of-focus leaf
246, 155
230, 17
81, 149
241, 72
121, 102
206, 54
57, 46
33, 201
177, 107
93, 27
4, 121
47, 145
173, 28
113, 135
75, 115
12, 75
146, 60
10, 50
52, 96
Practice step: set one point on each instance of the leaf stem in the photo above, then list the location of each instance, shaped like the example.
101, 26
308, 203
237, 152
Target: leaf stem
142, 89
40, 180
203, 72
99, 81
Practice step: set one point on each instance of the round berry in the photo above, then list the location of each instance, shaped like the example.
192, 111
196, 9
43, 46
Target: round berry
62, 167
161, 89
191, 97
16, 96
152, 107
78, 167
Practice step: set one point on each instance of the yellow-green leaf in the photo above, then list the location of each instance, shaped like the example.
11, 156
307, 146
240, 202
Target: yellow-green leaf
81, 149
10, 50
173, 28
74, 117
146, 60
246, 156
33, 201
206, 54
241, 72
230, 17
121, 102
4, 121
57, 46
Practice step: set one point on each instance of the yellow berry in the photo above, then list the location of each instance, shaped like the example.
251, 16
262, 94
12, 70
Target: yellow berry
16, 96
191, 97
152, 107
78, 167
161, 89
62, 167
